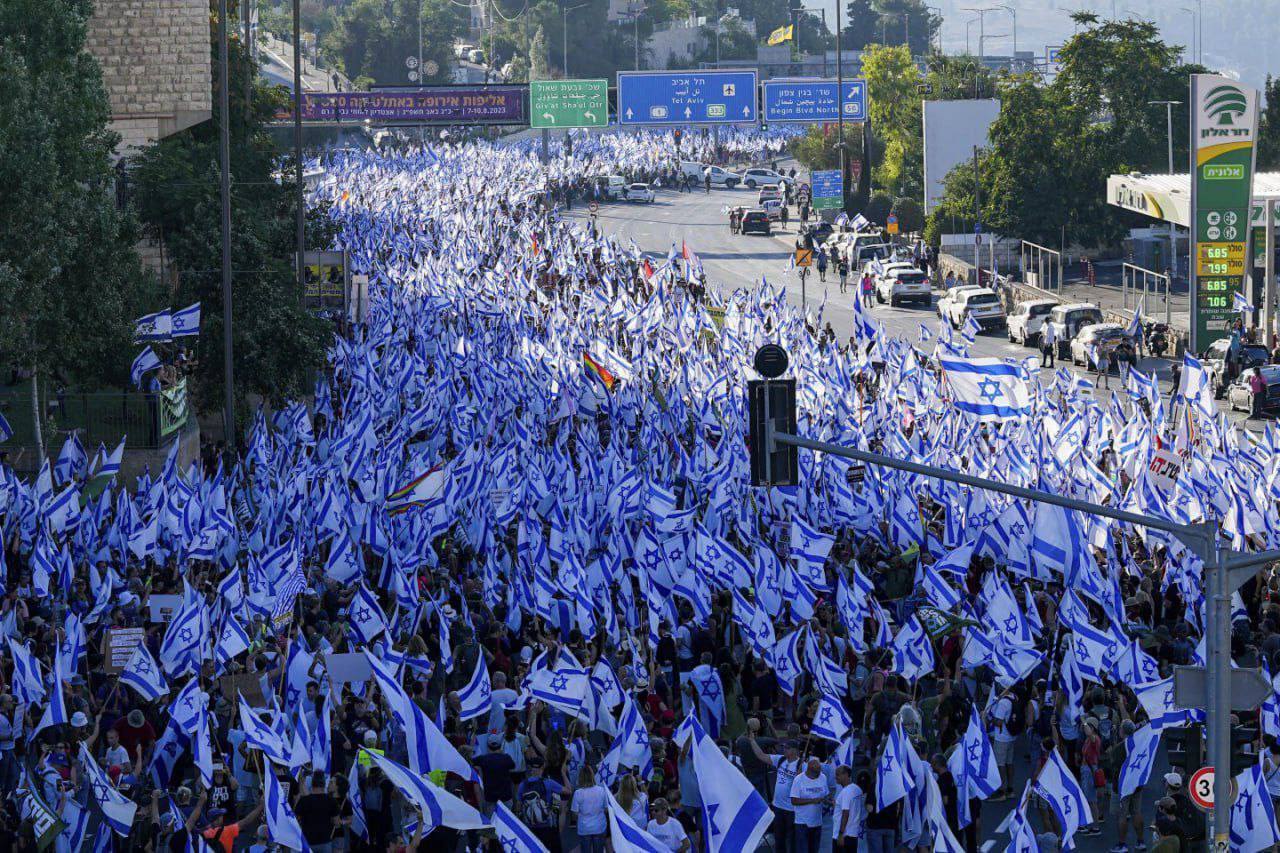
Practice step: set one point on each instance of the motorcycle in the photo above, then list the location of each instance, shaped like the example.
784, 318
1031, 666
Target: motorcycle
1157, 335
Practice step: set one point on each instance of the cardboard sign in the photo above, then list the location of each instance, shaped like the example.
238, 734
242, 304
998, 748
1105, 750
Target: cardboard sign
163, 606
120, 645
1164, 469
347, 667
247, 684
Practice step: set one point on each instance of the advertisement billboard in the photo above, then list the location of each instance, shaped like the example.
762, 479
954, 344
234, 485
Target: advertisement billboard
951, 130
1224, 129
426, 105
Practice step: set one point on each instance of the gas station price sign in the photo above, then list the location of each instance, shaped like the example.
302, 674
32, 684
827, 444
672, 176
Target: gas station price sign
1214, 259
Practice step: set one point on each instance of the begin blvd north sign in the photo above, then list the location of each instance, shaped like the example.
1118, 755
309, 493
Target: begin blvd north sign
568, 103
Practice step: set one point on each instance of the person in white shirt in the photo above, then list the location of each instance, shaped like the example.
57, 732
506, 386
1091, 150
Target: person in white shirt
666, 830
809, 792
787, 767
1002, 741
1048, 343
851, 812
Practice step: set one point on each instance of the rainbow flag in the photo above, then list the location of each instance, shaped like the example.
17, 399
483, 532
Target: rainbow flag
417, 492
599, 370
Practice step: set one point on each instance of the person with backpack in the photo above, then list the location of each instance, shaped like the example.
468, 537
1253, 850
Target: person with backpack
221, 835
537, 805
999, 717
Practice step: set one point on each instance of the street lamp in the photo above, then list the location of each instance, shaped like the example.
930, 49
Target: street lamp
982, 23
1192, 13
822, 12
564, 30
937, 9
634, 11
1168, 118
1014, 12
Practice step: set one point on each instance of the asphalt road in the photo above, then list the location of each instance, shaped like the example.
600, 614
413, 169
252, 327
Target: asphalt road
733, 261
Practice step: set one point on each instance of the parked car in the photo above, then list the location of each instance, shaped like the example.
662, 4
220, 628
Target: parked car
1215, 362
981, 303
611, 186
900, 281
773, 207
820, 231
1094, 337
1026, 318
720, 177
759, 177
1068, 320
768, 193
640, 192
1241, 398
756, 222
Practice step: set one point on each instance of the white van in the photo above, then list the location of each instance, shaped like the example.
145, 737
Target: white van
720, 177
612, 187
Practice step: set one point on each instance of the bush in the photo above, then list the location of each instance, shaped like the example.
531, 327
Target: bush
878, 207
910, 215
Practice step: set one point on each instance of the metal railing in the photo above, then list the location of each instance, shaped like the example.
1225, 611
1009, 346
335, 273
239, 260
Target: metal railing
104, 417
1043, 262
1132, 276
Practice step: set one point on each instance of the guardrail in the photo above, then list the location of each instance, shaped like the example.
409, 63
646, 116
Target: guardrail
104, 417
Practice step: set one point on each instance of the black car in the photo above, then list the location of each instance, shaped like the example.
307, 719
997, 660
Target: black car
756, 222
1215, 362
821, 231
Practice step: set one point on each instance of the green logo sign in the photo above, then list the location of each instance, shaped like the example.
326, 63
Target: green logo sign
1224, 172
569, 103
1225, 104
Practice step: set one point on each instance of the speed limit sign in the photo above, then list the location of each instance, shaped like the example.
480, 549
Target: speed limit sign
1201, 789
593, 206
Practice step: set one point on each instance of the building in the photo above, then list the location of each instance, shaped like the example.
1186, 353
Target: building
156, 65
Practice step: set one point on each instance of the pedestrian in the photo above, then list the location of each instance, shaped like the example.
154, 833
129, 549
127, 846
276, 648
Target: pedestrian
843, 266
1175, 381
1257, 392
810, 792
822, 264
850, 820
1048, 342
783, 216
590, 806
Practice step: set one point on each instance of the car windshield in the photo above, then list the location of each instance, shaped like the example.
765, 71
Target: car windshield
912, 278
1252, 354
639, 186
983, 299
1039, 310
1084, 316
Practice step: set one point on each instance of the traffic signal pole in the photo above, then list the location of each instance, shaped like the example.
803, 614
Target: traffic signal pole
1224, 572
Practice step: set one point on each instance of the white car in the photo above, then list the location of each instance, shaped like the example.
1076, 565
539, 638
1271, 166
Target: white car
759, 177
980, 303
1026, 318
900, 281
1068, 320
1105, 336
640, 192
720, 177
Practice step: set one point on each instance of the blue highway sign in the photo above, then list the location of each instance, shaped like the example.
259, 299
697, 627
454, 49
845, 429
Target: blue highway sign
813, 100
686, 97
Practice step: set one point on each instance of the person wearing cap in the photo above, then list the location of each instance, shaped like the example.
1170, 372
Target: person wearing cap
668, 831
136, 735
224, 833
537, 802
787, 766
495, 767
1129, 812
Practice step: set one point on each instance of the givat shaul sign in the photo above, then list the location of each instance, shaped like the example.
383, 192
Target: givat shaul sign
1224, 128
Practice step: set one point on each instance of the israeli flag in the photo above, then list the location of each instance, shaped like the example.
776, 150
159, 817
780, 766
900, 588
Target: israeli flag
474, 700
186, 322
27, 680
282, 823
367, 619
831, 721
564, 688
143, 674
359, 824
55, 713
153, 327
1141, 749
988, 388
1134, 330
438, 806
144, 363
514, 836
1240, 303
1058, 785
973, 764
117, 809
733, 812
624, 833
1253, 816
6, 431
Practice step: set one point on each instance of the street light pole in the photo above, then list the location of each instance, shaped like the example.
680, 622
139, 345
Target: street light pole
982, 23
1168, 121
564, 30
1192, 13
1014, 12
300, 221
224, 152
844, 189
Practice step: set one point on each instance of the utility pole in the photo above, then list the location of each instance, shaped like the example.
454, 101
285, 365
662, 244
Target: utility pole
224, 154
301, 223
840, 146
977, 216
1014, 12
1168, 123
1269, 273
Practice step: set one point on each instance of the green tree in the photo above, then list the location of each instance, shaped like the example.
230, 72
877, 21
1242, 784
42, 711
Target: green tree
1269, 127
817, 148
70, 280
277, 342
893, 103
372, 39
861, 25
921, 25
956, 77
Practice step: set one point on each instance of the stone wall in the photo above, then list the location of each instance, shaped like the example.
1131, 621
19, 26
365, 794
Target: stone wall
156, 65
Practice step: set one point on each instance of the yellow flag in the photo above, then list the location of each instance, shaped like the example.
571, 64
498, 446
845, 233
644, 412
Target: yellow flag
781, 34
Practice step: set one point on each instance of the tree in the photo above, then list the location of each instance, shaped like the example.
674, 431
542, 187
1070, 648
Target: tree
957, 77
70, 280
278, 344
816, 149
921, 24
893, 104
862, 25
372, 39
1269, 127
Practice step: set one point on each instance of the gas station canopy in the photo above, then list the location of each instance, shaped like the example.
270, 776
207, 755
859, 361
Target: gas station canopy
1168, 197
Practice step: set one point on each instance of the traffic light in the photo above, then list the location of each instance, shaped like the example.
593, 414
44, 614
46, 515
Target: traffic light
782, 466
677, 135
